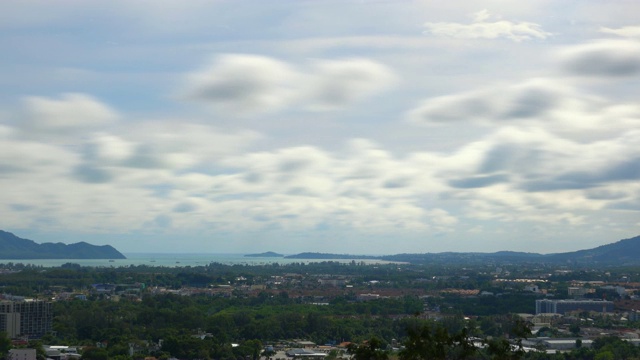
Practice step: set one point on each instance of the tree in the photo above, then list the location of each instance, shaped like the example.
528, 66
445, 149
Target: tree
370, 350
575, 329
501, 349
619, 348
425, 343
5, 345
604, 355
268, 352
428, 342
332, 355
41, 354
94, 353
517, 329
250, 348
463, 347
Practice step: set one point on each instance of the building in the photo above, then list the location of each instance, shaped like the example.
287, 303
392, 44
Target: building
10, 324
305, 344
28, 317
564, 306
562, 344
368, 297
305, 353
577, 291
22, 354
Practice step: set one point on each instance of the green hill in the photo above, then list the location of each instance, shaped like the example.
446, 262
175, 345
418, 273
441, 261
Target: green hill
626, 251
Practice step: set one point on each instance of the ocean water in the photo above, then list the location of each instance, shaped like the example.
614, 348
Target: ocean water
178, 260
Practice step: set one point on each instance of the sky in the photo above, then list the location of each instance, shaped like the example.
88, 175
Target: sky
361, 127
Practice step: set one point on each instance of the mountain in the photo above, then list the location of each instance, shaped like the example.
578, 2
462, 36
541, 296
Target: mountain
15, 248
623, 252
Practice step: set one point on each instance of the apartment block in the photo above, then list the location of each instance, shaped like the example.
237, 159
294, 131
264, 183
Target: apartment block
28, 317
564, 306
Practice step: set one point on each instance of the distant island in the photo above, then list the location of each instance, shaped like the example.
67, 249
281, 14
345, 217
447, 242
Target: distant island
265, 254
15, 248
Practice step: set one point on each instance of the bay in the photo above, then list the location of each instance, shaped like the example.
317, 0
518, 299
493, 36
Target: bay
178, 260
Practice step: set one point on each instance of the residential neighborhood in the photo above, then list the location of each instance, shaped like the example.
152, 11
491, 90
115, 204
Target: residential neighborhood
320, 307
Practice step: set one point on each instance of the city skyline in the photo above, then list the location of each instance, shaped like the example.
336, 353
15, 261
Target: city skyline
362, 127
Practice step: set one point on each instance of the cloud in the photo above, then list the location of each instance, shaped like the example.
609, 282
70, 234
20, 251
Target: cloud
155, 146
535, 160
349, 189
619, 170
551, 104
89, 174
251, 84
243, 83
511, 175
65, 117
22, 157
480, 28
602, 58
479, 181
626, 31
502, 151
337, 84
185, 207
528, 100
605, 194
105, 148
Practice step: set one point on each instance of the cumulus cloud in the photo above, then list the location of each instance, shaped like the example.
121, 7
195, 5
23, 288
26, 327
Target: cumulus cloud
546, 103
626, 31
510, 175
531, 99
20, 157
187, 144
66, 116
249, 84
481, 28
337, 84
156, 146
602, 58
243, 83
106, 148
349, 189
534, 160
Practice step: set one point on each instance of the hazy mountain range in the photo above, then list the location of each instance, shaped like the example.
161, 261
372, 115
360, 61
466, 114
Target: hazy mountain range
15, 248
622, 252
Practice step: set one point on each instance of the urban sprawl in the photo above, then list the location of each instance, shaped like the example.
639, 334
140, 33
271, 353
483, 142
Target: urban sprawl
319, 310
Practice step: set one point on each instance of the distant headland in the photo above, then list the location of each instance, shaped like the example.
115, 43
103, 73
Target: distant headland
622, 252
15, 248
265, 254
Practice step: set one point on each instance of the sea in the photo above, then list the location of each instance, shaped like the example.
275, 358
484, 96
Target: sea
180, 260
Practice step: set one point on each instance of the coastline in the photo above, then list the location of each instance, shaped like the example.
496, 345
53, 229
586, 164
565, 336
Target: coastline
178, 260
